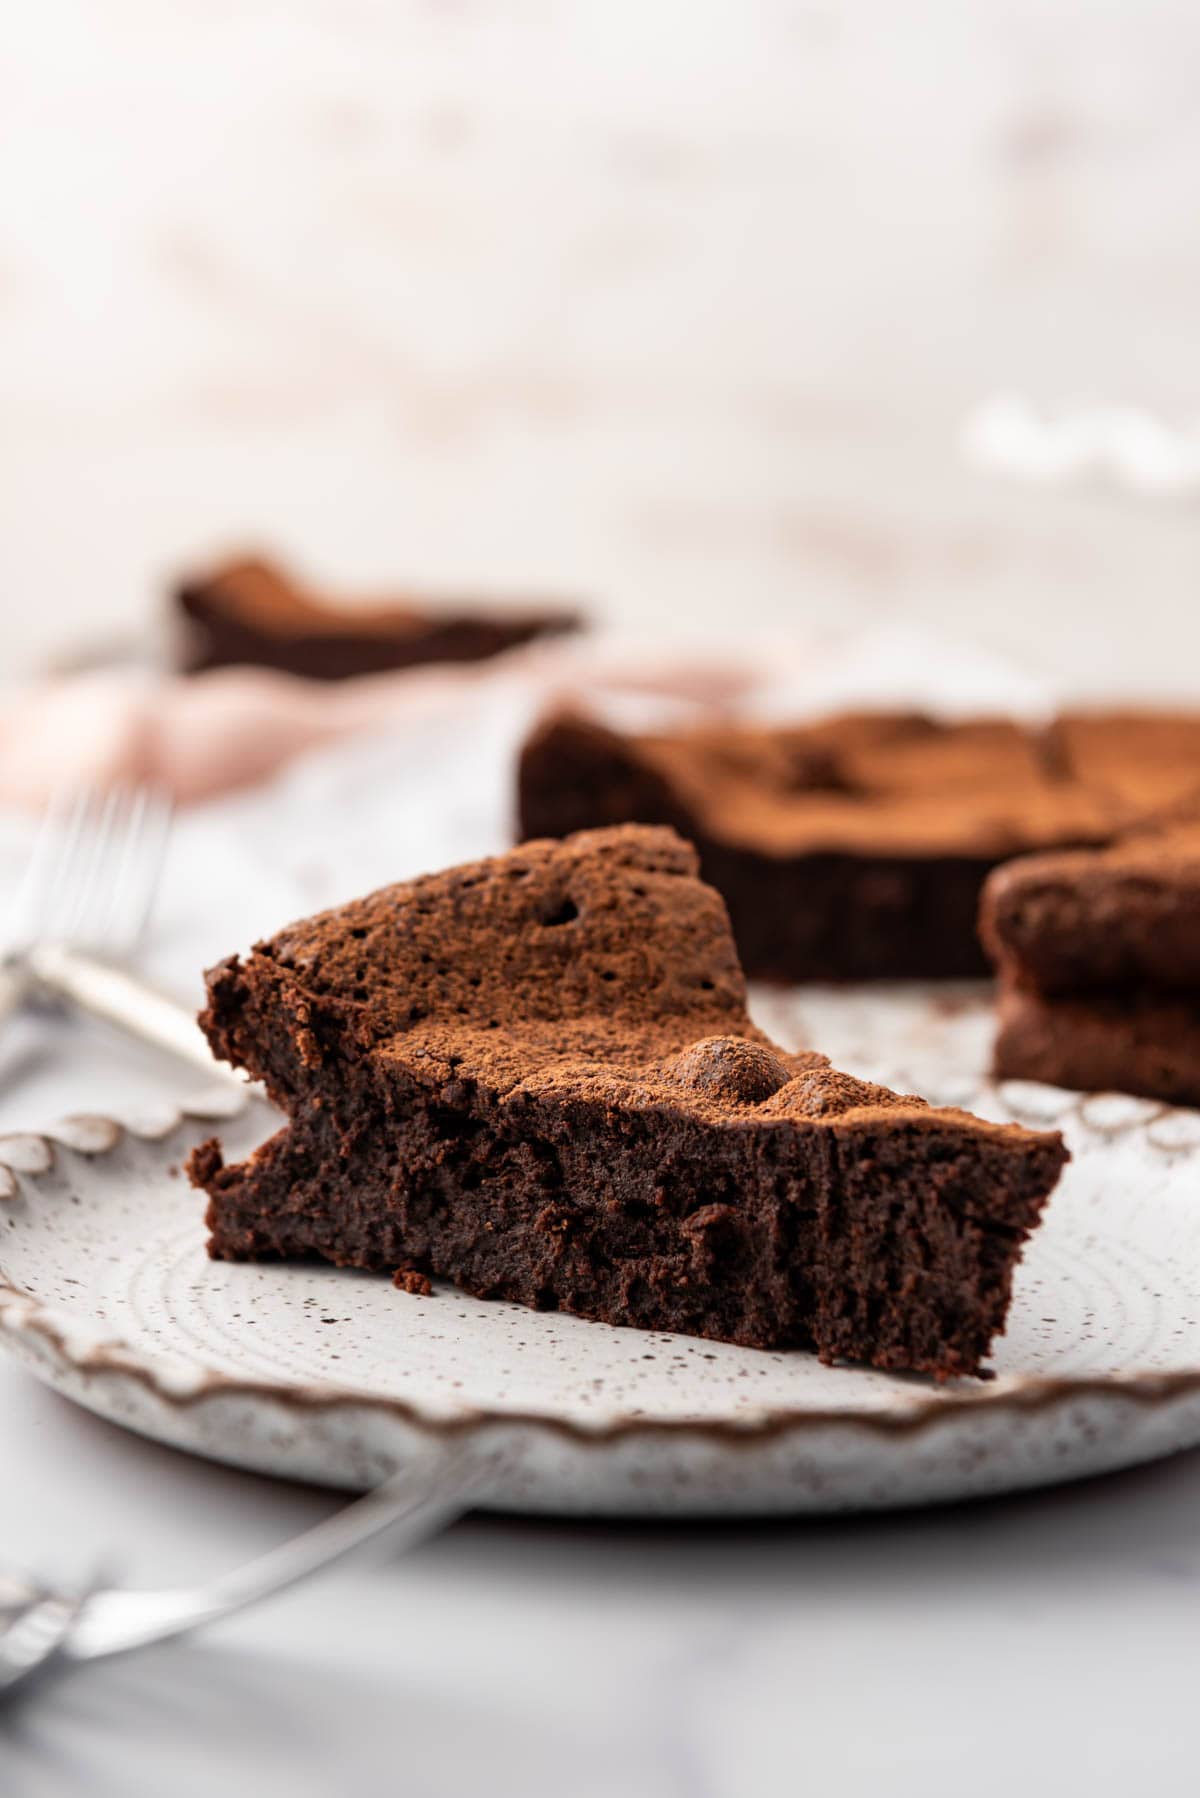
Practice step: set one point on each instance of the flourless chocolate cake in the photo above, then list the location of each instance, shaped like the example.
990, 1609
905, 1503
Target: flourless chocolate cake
250, 611
536, 1076
856, 848
1098, 956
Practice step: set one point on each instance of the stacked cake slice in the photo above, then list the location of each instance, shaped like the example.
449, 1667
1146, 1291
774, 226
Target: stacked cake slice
1098, 956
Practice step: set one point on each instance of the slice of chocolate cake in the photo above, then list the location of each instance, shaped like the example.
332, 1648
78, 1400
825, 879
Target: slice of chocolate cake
1099, 962
853, 849
250, 611
536, 1076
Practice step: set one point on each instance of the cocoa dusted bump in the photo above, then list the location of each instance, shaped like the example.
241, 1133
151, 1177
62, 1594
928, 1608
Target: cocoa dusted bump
536, 1076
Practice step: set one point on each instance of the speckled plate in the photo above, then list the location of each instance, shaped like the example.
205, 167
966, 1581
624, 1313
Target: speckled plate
105, 1291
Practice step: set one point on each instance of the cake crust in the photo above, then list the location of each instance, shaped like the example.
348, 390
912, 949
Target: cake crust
536, 1076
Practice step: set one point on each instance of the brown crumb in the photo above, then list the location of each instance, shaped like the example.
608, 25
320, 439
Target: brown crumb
409, 1279
205, 1163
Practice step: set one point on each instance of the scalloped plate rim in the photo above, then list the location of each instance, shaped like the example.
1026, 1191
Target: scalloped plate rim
28, 1329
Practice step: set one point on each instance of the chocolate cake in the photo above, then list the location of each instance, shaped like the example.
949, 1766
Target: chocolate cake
536, 1076
250, 611
1099, 962
856, 848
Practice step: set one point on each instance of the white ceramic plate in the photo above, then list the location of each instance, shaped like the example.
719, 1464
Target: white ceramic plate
106, 1292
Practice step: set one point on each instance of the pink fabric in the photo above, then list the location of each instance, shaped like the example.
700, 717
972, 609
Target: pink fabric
202, 735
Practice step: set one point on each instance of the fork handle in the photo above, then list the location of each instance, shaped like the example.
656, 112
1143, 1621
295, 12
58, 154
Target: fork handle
106, 991
427, 1494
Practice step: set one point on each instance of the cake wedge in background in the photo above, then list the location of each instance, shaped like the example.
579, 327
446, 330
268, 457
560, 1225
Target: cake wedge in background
536, 1076
250, 611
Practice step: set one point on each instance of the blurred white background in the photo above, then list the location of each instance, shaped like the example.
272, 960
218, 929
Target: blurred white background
679, 305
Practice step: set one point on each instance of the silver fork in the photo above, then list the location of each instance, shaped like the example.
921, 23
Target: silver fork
44, 1629
81, 910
